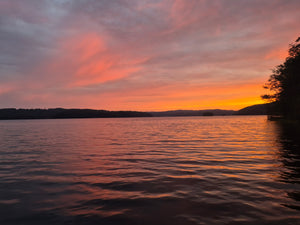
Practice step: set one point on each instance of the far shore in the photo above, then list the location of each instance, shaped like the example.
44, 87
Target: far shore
61, 113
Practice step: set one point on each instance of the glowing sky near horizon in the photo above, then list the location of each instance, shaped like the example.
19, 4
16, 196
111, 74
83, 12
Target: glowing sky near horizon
145, 55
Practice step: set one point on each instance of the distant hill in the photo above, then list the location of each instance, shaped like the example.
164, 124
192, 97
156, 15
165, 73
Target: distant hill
208, 112
261, 109
57, 113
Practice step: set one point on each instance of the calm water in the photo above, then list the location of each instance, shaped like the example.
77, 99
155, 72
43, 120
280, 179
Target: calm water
189, 170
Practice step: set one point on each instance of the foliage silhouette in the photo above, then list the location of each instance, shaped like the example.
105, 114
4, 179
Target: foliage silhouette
208, 114
12, 113
284, 84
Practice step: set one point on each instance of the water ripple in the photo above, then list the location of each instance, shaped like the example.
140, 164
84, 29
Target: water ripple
193, 170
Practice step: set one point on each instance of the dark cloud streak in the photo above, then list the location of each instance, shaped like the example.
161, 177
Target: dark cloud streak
144, 42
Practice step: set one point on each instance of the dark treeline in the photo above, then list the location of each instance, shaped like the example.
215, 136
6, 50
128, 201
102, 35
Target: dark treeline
208, 112
284, 84
58, 113
261, 109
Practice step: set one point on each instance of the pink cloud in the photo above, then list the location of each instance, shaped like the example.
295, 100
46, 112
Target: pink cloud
141, 54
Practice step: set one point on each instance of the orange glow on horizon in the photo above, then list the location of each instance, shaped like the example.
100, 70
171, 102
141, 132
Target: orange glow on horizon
144, 55
230, 104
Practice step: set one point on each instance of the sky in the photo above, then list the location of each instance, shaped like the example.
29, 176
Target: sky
146, 55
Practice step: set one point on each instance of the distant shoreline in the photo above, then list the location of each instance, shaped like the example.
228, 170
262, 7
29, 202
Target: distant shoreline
61, 113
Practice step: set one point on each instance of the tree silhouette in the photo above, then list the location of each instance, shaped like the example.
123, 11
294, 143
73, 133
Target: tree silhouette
284, 84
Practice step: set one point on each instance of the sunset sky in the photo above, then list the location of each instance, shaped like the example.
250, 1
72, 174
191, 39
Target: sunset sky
146, 55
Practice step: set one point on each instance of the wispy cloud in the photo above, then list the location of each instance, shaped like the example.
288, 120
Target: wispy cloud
141, 54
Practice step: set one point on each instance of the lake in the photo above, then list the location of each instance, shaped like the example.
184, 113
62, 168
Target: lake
140, 171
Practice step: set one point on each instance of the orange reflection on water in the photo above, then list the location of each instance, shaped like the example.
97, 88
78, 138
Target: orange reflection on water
135, 167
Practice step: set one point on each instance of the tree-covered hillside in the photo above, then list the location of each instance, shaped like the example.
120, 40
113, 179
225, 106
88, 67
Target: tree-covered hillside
284, 84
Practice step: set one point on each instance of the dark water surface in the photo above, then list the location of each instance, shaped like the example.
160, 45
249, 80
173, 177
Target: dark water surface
188, 170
